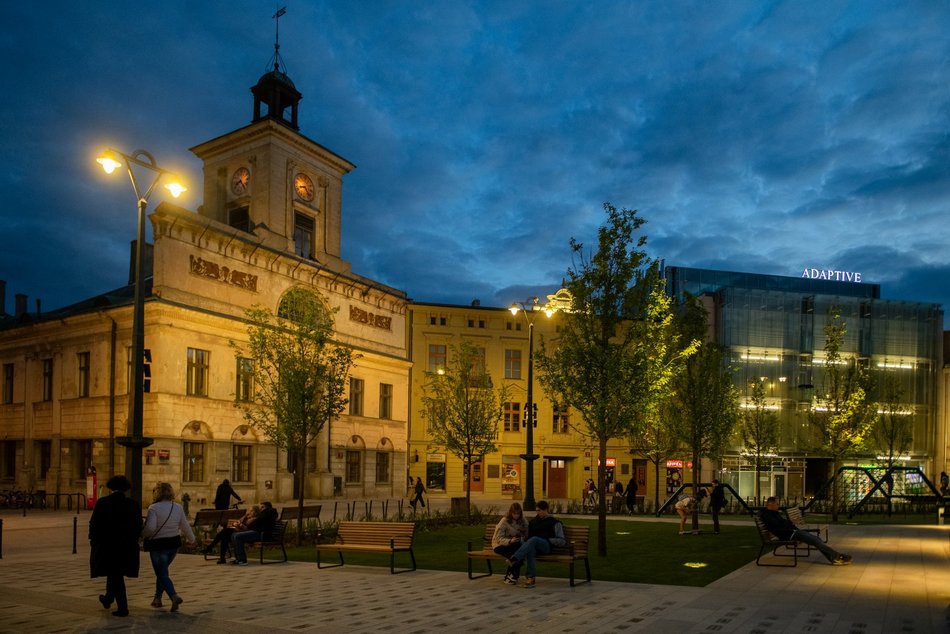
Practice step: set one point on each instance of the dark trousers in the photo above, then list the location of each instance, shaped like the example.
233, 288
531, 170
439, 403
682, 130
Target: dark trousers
115, 591
419, 499
506, 551
223, 538
715, 517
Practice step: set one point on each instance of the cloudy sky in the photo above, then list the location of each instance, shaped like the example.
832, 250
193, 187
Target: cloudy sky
753, 136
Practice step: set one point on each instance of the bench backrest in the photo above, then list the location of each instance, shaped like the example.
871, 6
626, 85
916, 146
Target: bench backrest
276, 535
580, 535
376, 533
309, 512
764, 532
795, 516
207, 518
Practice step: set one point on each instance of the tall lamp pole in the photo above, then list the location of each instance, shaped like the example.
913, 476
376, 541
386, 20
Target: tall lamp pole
530, 310
110, 160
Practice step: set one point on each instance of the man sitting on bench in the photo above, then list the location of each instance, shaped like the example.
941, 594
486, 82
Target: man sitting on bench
256, 531
785, 530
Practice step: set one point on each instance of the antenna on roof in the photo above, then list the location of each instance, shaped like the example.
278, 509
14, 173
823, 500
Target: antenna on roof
276, 18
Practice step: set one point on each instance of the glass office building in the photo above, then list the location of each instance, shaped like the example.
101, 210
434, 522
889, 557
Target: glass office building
773, 330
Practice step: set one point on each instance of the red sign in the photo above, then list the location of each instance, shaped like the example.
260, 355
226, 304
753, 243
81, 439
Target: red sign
611, 462
674, 464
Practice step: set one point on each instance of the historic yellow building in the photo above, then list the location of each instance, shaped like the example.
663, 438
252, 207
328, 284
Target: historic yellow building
270, 222
567, 455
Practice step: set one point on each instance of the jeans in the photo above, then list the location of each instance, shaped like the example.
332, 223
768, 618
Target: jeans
161, 560
244, 537
527, 552
815, 542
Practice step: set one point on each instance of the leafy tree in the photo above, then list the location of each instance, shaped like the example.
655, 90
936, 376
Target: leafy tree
617, 351
300, 376
893, 428
463, 408
655, 442
759, 430
705, 405
841, 414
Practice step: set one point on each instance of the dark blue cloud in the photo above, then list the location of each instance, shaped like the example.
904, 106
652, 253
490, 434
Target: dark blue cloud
757, 136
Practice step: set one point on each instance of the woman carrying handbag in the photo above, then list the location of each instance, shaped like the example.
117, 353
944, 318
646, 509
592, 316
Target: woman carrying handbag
164, 526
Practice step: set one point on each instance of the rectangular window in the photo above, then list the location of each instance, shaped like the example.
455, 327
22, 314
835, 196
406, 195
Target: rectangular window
561, 419
241, 463
47, 379
385, 402
382, 467
193, 462
437, 355
512, 364
303, 235
435, 476
512, 416
82, 360
146, 370
198, 362
82, 458
356, 397
7, 383
240, 219
244, 389
8, 459
353, 466
44, 456
478, 358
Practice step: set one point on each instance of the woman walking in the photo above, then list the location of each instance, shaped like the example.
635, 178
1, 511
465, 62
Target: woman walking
164, 526
114, 530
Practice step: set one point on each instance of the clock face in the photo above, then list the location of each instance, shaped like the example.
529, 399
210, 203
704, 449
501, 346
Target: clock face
303, 186
240, 180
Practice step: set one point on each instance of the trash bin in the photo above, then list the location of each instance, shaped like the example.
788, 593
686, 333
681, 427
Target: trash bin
457, 506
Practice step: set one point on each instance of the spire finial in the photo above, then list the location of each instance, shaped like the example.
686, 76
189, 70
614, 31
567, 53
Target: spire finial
276, 18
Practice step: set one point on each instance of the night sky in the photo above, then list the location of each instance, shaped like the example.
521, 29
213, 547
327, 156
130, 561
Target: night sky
753, 136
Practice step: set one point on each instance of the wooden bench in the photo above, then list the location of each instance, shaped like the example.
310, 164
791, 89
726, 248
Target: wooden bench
773, 543
291, 513
372, 537
214, 520
273, 539
578, 540
796, 517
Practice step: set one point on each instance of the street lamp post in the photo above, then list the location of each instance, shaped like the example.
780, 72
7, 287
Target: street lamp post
110, 160
530, 311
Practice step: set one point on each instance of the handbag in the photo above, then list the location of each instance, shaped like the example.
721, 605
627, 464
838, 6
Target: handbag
161, 543
150, 544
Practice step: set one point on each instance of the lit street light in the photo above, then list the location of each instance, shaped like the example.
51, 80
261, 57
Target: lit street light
530, 311
110, 160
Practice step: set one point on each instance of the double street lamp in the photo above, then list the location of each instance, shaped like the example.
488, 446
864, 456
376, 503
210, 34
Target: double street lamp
530, 311
110, 160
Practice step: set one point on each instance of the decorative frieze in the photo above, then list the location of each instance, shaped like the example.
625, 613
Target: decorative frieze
223, 274
376, 321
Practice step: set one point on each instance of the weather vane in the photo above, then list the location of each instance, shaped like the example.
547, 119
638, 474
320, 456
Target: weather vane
276, 17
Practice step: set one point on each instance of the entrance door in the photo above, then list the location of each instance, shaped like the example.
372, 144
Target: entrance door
557, 478
475, 482
778, 485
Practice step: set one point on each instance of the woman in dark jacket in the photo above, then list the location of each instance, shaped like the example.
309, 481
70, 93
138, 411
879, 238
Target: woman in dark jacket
114, 530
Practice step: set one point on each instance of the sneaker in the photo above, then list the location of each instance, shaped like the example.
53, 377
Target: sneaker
238, 562
841, 560
528, 582
511, 581
682, 532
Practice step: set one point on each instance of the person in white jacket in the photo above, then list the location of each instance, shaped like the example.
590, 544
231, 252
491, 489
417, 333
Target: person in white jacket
164, 526
510, 533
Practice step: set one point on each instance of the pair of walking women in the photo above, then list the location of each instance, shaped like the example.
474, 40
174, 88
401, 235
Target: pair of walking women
114, 530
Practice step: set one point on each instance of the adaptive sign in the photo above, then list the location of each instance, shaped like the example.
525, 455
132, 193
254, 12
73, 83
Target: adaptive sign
829, 274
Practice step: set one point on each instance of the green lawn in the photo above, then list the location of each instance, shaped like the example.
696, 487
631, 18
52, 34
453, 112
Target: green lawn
638, 552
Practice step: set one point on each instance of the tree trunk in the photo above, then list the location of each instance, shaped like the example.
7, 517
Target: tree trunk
656, 486
468, 492
835, 485
697, 472
301, 473
758, 489
602, 502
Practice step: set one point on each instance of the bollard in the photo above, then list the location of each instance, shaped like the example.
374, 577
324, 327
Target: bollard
75, 529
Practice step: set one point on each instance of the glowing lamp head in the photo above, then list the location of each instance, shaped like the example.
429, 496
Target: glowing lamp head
176, 189
514, 309
109, 161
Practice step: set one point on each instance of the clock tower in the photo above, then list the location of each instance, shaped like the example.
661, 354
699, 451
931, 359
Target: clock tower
272, 183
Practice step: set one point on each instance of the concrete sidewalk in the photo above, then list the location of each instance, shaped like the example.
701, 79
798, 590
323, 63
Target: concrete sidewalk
900, 582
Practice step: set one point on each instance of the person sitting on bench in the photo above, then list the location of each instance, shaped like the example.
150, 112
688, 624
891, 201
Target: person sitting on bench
256, 531
779, 526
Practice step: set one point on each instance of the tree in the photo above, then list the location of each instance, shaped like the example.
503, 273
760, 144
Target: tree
759, 430
463, 408
655, 442
299, 375
616, 352
841, 414
893, 428
705, 404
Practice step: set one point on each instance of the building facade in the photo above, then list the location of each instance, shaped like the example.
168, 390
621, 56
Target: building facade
773, 330
270, 221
